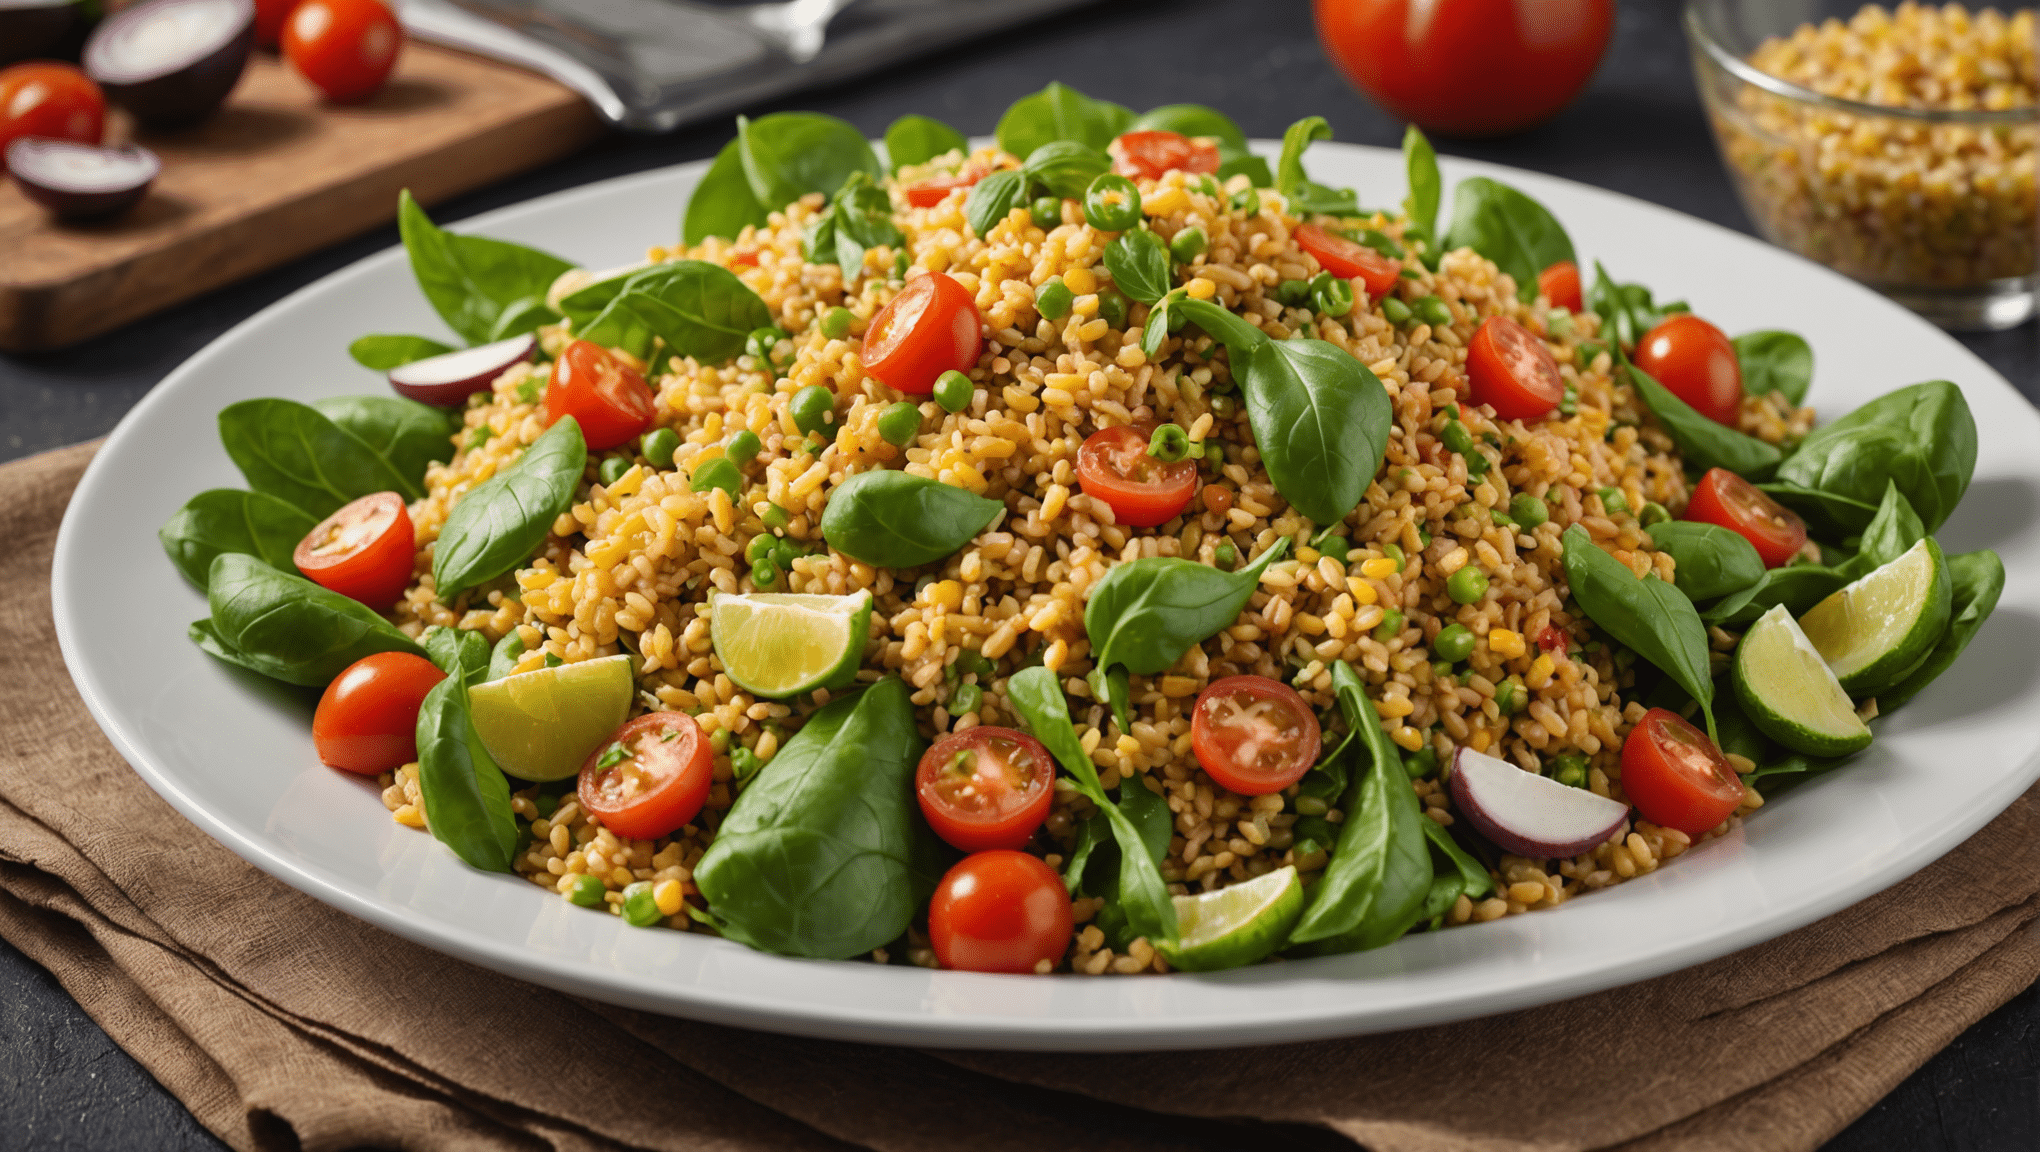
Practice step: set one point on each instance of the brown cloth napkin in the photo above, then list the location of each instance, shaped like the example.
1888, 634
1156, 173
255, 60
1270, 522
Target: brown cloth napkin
282, 1023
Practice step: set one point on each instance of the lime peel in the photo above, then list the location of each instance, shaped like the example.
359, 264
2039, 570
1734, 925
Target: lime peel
780, 644
1238, 924
541, 725
1789, 693
1876, 630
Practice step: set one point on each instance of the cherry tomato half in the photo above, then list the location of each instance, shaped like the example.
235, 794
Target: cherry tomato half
985, 787
651, 777
345, 47
1467, 67
367, 720
1254, 735
1000, 911
612, 402
935, 189
364, 551
930, 328
1151, 154
269, 18
1560, 284
1349, 259
1114, 466
1697, 362
45, 98
1512, 371
1727, 500
1675, 775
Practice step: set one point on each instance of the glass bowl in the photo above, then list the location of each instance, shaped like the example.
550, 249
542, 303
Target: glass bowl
1934, 208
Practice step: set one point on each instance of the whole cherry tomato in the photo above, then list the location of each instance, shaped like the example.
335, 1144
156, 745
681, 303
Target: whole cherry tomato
269, 18
367, 719
1113, 464
612, 402
1726, 500
345, 47
1697, 362
930, 328
1560, 284
45, 98
1512, 371
1675, 775
1000, 911
364, 551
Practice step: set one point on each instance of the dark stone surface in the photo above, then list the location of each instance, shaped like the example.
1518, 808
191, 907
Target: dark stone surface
1638, 130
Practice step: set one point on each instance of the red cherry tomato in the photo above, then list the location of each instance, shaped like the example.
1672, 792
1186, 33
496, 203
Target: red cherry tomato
1114, 466
45, 98
1725, 499
367, 720
1552, 639
1000, 911
1349, 259
1512, 371
1253, 735
363, 551
1697, 362
1467, 67
935, 189
931, 327
651, 777
985, 787
269, 18
1675, 775
345, 47
1151, 154
1560, 284
612, 402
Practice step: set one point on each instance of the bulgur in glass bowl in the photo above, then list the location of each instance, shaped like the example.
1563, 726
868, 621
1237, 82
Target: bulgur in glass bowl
1896, 146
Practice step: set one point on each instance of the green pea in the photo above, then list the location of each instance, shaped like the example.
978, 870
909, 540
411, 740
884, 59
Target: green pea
811, 407
765, 571
1570, 769
1047, 212
1457, 438
785, 552
1467, 585
774, 517
836, 322
1053, 299
1112, 203
1422, 762
716, 473
1245, 200
1112, 306
1440, 670
1390, 626
639, 909
1509, 697
1335, 547
1188, 245
1333, 298
545, 805
762, 341
759, 548
1528, 510
658, 446
1613, 501
899, 423
1396, 312
586, 891
744, 762
1454, 643
1653, 513
719, 740
966, 699
953, 391
613, 469
1394, 552
971, 662
1223, 406
552, 660
1225, 555
1432, 311
1569, 404
1293, 292
1423, 538
1169, 444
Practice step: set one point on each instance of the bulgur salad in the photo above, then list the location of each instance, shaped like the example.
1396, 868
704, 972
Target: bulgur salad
1099, 552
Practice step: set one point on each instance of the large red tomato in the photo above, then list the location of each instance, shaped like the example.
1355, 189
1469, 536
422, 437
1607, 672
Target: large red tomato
1467, 67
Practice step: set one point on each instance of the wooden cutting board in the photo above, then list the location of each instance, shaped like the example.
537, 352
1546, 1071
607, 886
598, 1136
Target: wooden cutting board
274, 175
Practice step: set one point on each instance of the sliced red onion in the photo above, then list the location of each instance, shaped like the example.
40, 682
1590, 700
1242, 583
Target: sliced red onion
81, 181
451, 377
172, 62
1527, 814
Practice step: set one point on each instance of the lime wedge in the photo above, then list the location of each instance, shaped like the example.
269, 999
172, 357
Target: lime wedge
1238, 924
541, 725
1877, 630
1788, 692
779, 644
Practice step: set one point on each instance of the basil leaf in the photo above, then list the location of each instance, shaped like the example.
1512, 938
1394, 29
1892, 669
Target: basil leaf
1192, 120
293, 452
504, 656
584, 304
1797, 586
1648, 616
404, 432
618, 325
498, 524
224, 520
469, 280
1066, 167
1239, 337
919, 139
699, 309
1035, 695
1774, 361
1295, 139
858, 219
1237, 161
893, 519
723, 203
992, 199
1420, 160
1139, 264
1702, 442
1473, 875
789, 154
520, 316
1978, 578
1921, 437
1509, 228
467, 799
1321, 421
207, 638
1709, 560
1627, 311
1060, 112
458, 652
289, 628
383, 352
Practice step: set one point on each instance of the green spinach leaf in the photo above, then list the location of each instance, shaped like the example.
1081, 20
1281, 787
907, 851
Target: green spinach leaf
229, 520
893, 519
467, 799
1775, 361
503, 657
520, 316
856, 221
723, 203
1627, 311
992, 199
207, 638
458, 652
384, 351
789, 154
469, 280
1895, 528
914, 139
1797, 586
1979, 578
293, 452
498, 524
404, 432
1139, 264
1305, 196
1648, 616
1520, 235
1708, 560
1922, 437
1702, 442
289, 628
1060, 112
1321, 420
1426, 185
699, 309
1066, 167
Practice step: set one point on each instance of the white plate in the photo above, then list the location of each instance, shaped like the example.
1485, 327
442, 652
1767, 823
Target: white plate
234, 753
